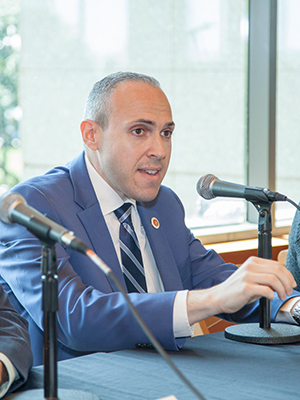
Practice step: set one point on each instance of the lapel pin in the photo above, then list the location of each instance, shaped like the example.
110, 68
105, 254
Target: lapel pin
155, 222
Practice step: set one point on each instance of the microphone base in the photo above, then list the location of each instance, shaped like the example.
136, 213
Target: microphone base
63, 394
253, 333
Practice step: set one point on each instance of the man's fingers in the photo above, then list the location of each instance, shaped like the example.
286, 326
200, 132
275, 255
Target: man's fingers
270, 273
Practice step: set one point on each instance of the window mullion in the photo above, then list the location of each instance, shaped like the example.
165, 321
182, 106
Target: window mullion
261, 96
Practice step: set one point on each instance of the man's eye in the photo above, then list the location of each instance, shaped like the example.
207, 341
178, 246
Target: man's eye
138, 131
166, 134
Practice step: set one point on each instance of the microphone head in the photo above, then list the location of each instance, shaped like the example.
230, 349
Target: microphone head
6, 202
204, 186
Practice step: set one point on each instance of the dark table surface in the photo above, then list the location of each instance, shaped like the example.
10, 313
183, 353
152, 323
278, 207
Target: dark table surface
220, 369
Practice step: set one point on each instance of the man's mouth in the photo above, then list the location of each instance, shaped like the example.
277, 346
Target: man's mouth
150, 171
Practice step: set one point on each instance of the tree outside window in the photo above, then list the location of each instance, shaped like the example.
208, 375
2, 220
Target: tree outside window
10, 112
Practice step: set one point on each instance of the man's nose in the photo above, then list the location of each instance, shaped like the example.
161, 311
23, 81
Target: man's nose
157, 147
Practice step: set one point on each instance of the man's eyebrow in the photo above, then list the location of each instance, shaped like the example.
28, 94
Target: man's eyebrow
150, 122
170, 124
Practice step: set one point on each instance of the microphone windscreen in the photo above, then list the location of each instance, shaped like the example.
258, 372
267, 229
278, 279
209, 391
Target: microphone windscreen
6, 201
204, 186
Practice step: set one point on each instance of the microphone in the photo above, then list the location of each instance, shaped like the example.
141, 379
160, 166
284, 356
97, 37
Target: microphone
209, 187
14, 208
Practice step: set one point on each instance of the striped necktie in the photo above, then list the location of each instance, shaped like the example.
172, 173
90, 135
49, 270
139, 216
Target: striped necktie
132, 263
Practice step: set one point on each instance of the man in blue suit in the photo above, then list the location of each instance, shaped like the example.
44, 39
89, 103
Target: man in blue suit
127, 131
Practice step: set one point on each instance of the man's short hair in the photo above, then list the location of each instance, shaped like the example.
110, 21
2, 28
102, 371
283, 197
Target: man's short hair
96, 106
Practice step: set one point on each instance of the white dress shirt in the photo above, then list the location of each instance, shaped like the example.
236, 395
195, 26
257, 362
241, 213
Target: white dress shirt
12, 374
109, 201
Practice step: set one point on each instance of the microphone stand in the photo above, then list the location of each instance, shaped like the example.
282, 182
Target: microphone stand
50, 308
264, 333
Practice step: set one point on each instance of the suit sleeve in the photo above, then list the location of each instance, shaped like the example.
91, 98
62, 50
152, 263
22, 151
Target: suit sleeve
14, 340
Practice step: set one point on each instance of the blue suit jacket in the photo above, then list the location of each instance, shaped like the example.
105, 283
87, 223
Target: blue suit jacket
93, 315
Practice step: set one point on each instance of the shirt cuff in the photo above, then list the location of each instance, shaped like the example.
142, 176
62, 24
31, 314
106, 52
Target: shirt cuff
12, 374
181, 326
284, 313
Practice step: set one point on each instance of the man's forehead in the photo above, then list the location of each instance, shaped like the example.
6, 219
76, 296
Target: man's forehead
136, 97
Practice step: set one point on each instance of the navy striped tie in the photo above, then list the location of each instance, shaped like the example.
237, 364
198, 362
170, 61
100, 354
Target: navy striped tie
132, 263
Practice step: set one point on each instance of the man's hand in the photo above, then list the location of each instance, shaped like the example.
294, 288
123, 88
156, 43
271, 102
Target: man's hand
3, 373
256, 278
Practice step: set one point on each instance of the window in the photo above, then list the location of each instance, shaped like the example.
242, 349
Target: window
198, 50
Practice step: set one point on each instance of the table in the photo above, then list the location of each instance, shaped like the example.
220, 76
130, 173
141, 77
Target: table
220, 369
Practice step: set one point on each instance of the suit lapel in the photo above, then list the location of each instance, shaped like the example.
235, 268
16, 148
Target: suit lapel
92, 218
99, 236
161, 249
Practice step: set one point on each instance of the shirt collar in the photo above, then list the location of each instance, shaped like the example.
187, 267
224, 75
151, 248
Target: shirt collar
108, 198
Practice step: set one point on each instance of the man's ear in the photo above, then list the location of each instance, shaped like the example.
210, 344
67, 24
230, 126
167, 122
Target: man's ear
90, 132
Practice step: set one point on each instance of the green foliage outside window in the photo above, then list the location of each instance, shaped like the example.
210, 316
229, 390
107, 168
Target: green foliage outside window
10, 112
